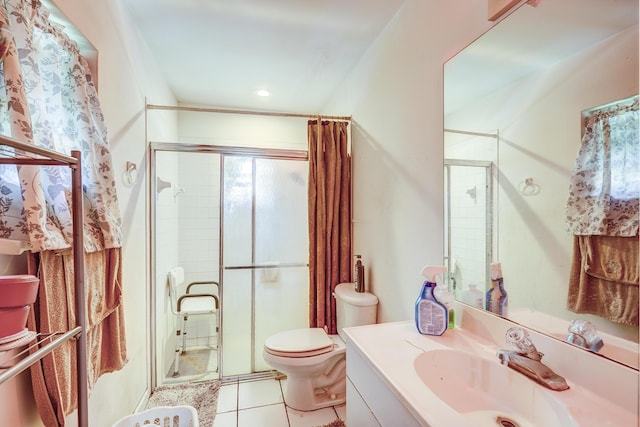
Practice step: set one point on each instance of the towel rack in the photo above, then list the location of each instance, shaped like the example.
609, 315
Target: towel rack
33, 155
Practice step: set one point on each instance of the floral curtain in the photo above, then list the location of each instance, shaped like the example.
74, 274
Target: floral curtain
48, 98
604, 191
329, 218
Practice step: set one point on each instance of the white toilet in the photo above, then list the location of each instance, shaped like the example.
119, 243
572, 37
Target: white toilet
315, 362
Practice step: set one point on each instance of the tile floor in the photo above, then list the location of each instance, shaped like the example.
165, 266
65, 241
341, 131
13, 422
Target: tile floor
254, 403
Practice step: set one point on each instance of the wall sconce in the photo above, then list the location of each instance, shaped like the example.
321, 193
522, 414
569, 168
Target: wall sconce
130, 174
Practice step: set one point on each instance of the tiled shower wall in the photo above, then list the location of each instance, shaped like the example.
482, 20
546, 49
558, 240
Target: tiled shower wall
199, 209
167, 237
468, 225
468, 212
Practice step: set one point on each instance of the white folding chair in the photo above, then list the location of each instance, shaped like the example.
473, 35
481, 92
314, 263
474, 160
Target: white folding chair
189, 304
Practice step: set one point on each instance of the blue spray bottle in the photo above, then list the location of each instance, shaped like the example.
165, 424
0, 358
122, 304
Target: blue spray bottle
431, 314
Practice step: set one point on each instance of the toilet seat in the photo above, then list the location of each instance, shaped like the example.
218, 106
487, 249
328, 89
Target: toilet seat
305, 342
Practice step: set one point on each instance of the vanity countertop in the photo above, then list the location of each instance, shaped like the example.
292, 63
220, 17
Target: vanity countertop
391, 349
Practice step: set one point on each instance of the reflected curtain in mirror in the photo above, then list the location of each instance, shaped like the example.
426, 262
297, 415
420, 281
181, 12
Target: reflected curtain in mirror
602, 213
604, 278
604, 192
329, 218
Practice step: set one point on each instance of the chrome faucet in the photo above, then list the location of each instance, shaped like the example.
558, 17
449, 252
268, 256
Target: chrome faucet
526, 359
583, 334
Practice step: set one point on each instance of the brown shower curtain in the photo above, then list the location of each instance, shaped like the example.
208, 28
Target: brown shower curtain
329, 218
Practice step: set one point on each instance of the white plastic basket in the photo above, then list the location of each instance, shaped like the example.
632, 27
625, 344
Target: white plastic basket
164, 416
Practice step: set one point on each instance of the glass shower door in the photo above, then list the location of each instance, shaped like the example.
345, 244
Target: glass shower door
265, 278
469, 224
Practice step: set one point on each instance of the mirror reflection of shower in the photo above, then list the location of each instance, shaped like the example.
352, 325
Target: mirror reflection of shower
470, 177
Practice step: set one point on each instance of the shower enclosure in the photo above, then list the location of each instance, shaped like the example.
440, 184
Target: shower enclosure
237, 216
468, 224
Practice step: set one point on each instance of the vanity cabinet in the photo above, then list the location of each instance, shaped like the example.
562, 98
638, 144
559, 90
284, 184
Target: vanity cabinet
397, 377
358, 412
370, 402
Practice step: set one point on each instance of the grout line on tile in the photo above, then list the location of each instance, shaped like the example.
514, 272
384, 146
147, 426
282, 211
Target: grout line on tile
262, 406
284, 404
237, 403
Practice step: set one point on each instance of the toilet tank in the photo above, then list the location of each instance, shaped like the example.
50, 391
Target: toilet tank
354, 308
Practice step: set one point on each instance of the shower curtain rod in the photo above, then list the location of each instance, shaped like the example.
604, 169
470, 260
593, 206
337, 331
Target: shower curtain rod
464, 132
248, 112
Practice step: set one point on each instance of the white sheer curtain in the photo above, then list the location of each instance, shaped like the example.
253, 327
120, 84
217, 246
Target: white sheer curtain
48, 98
604, 191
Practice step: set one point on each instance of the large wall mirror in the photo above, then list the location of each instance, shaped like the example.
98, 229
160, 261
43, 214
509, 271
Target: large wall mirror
513, 105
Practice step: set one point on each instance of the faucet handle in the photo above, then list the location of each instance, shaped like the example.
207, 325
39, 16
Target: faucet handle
519, 340
583, 333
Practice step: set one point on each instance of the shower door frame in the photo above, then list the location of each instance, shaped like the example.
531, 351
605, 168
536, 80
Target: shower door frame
489, 211
154, 148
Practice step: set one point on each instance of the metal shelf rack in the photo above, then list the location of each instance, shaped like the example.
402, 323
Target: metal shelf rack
16, 152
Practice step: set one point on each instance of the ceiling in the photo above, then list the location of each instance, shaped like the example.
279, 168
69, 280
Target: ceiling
220, 52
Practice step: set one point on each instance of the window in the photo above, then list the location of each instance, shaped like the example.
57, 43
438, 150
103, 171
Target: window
604, 192
48, 98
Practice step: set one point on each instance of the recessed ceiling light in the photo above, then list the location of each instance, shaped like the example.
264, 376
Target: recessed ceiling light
263, 92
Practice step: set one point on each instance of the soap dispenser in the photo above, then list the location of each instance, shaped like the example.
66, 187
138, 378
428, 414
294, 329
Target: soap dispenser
431, 315
358, 274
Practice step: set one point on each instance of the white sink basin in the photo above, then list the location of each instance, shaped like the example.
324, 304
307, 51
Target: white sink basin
488, 393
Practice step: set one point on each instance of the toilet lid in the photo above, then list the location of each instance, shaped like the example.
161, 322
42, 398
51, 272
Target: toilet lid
299, 343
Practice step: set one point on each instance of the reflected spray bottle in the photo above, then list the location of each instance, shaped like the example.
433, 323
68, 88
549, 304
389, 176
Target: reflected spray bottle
496, 299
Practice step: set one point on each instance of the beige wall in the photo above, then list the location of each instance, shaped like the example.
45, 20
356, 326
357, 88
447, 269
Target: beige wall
395, 97
127, 75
